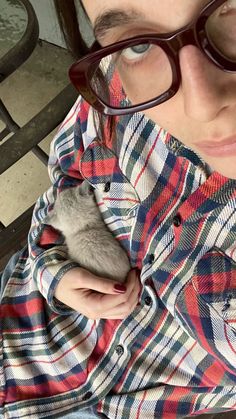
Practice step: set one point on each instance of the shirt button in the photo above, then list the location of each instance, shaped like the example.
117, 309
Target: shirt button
119, 350
151, 258
107, 187
177, 220
148, 301
88, 395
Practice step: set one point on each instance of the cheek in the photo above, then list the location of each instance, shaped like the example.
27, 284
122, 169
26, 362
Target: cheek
171, 116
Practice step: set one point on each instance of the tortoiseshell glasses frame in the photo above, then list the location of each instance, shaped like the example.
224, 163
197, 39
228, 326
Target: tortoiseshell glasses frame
171, 43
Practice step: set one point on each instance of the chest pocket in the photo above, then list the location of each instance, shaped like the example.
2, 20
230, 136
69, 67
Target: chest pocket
214, 281
206, 306
99, 165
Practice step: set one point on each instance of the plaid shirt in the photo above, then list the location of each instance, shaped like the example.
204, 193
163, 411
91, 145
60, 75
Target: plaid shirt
176, 353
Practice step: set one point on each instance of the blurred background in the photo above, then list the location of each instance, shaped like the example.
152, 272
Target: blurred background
32, 29
25, 92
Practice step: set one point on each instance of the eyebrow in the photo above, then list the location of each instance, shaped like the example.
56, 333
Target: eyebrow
113, 19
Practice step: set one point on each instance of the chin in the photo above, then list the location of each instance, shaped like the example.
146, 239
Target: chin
225, 171
225, 166
229, 175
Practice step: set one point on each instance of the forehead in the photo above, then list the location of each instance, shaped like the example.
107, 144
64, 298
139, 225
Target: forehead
171, 14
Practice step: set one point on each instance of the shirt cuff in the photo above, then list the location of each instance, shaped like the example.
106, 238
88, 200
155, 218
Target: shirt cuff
47, 270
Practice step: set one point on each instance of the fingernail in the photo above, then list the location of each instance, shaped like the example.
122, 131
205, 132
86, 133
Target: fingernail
120, 288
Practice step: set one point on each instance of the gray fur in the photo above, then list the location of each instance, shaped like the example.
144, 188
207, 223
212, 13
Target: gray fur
88, 240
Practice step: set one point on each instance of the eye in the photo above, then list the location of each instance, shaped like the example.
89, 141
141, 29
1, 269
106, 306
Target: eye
136, 51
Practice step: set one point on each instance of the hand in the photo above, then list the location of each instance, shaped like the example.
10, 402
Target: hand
96, 297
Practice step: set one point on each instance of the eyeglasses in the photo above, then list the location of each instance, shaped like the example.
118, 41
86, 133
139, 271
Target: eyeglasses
144, 71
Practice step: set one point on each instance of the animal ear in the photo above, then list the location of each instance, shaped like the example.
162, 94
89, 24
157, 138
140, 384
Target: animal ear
85, 188
51, 218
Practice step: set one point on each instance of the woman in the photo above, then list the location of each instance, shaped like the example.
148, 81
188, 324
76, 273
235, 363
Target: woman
163, 169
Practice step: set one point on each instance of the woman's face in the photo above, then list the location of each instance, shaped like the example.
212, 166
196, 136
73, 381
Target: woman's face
203, 113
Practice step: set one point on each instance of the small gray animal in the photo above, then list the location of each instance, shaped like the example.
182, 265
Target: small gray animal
88, 240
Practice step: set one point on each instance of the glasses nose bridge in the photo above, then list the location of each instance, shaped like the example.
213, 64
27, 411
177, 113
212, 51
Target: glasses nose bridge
182, 38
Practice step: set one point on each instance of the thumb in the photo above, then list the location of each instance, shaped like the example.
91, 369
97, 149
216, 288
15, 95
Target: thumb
90, 281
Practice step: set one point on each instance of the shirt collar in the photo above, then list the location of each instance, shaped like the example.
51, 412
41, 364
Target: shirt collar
172, 144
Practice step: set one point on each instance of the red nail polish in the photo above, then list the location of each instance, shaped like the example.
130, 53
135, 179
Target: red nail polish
120, 288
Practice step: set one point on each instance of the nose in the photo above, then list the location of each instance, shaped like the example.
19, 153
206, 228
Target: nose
203, 85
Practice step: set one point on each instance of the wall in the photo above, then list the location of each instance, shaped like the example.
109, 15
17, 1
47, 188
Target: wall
13, 22
48, 23
49, 27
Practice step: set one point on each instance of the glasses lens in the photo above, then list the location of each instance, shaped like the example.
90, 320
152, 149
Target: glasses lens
132, 76
221, 30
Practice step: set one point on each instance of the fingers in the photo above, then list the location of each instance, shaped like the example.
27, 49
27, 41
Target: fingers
125, 308
95, 298
119, 307
103, 285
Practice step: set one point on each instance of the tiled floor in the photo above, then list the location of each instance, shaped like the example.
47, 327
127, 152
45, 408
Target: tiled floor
25, 93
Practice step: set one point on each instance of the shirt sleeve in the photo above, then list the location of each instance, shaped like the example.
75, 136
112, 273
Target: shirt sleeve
47, 252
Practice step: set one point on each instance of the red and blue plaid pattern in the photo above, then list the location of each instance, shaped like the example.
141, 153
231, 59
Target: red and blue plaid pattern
176, 353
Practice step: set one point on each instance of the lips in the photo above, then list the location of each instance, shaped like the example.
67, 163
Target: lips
218, 148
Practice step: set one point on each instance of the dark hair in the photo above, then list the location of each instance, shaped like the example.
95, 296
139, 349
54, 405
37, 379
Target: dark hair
70, 21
